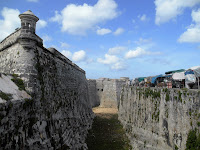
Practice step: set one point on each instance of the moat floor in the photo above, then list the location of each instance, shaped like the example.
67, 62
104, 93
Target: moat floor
107, 132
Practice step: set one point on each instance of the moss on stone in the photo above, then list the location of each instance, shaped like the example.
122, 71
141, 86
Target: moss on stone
167, 97
19, 82
5, 96
179, 96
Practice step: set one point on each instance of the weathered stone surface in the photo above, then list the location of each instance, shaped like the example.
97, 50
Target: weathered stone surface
58, 114
92, 91
158, 119
108, 91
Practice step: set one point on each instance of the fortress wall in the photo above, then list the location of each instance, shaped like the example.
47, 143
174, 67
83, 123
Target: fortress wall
10, 40
59, 113
157, 119
94, 101
18, 60
108, 91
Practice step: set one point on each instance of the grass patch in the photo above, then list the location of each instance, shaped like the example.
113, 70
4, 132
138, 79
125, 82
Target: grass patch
107, 134
19, 82
193, 140
5, 96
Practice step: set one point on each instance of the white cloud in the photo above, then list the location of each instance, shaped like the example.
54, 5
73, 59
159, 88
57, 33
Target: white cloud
9, 22
118, 66
67, 53
116, 50
64, 45
79, 56
196, 16
170, 9
119, 31
192, 34
32, 0
113, 62
143, 17
139, 52
41, 24
142, 41
46, 38
109, 59
57, 17
103, 31
77, 19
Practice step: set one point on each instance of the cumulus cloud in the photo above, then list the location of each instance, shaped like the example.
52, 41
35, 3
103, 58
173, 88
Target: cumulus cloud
170, 9
118, 66
77, 19
192, 34
67, 53
32, 0
9, 22
103, 31
139, 52
109, 59
79, 56
119, 31
113, 62
116, 50
143, 17
57, 17
41, 24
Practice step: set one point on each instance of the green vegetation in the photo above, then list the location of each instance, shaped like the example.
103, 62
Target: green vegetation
193, 141
179, 96
107, 134
190, 113
5, 96
167, 94
19, 82
176, 147
198, 123
148, 92
167, 97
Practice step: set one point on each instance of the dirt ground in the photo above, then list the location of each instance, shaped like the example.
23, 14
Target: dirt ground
105, 112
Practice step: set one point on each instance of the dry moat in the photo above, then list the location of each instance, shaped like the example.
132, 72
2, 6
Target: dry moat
107, 133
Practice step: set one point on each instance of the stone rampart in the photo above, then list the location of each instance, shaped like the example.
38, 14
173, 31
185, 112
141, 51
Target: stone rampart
157, 119
108, 91
92, 91
59, 113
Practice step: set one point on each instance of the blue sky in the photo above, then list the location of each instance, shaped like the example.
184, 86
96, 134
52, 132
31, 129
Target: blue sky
115, 38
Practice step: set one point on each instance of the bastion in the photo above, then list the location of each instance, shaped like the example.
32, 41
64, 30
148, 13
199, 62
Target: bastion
56, 113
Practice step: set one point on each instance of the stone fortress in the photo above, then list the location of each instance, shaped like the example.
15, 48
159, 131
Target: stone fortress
52, 109
57, 113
